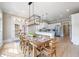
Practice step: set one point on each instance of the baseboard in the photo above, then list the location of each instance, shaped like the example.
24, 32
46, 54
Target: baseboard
8, 41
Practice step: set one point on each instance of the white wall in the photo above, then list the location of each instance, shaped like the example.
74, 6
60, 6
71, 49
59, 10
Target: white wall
9, 22
8, 28
1, 29
75, 28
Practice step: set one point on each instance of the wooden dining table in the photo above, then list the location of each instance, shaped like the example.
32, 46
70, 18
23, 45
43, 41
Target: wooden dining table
37, 44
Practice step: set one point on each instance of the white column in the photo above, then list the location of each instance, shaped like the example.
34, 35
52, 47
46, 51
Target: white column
75, 28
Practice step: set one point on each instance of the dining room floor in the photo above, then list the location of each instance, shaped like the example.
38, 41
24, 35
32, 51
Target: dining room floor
64, 49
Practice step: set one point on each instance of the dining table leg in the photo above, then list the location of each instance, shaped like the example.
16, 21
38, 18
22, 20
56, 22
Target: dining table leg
28, 51
34, 51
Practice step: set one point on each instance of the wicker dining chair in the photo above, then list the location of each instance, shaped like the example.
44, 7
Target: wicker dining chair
24, 44
50, 50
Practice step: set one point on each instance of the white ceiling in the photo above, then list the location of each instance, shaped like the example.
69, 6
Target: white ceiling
54, 10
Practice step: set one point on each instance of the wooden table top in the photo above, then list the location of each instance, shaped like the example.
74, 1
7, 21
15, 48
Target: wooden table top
37, 43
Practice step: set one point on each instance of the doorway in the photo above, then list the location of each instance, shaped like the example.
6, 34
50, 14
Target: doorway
66, 31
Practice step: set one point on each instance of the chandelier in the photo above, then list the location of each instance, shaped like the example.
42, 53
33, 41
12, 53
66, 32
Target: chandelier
32, 19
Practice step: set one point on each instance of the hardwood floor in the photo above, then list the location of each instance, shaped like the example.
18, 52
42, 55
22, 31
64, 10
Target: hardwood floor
64, 49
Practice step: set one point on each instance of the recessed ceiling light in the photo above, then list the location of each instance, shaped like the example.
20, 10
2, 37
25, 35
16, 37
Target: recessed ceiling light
67, 10
23, 11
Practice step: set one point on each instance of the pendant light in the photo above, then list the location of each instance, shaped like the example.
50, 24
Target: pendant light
29, 8
32, 19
